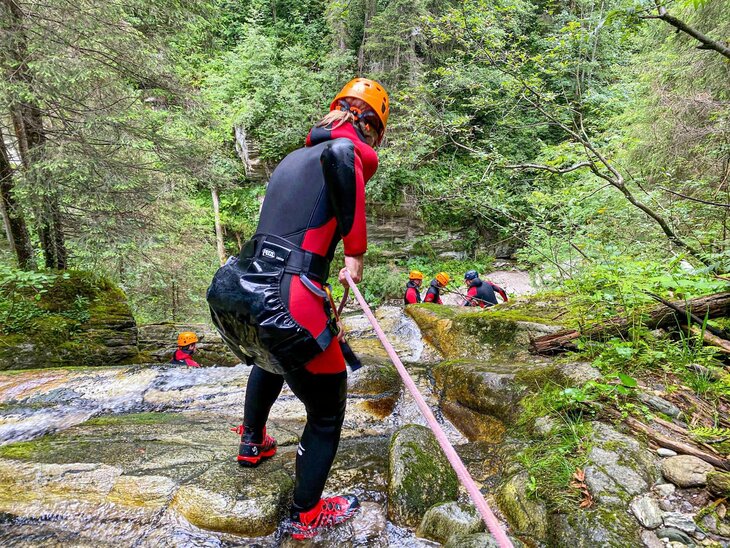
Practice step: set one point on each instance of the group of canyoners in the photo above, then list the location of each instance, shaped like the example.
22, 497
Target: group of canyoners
482, 293
273, 307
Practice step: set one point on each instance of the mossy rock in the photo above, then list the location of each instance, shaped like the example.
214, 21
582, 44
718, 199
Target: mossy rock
609, 527
82, 320
419, 475
527, 517
445, 521
461, 332
491, 388
718, 483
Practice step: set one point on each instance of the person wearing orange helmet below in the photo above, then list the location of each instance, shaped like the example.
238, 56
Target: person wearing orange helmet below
433, 295
413, 295
270, 303
186, 342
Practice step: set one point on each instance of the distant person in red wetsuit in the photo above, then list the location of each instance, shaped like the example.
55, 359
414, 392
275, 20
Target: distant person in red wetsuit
186, 342
481, 293
270, 306
433, 295
413, 294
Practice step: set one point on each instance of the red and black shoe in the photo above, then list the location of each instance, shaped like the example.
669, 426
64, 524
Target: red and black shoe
326, 513
250, 453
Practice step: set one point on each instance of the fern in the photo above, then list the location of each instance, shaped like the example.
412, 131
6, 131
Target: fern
706, 434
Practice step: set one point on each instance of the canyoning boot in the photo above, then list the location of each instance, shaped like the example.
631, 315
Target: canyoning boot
326, 513
250, 453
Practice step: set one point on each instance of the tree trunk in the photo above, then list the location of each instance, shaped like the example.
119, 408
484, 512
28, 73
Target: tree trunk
12, 215
711, 306
218, 228
28, 124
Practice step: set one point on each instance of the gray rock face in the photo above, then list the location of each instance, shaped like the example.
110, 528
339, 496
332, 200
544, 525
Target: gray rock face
419, 475
647, 511
479, 540
659, 404
619, 467
674, 535
664, 452
450, 519
718, 483
650, 540
686, 471
579, 373
607, 527
158, 341
665, 489
677, 520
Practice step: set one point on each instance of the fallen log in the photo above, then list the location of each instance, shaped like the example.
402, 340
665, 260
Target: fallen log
661, 315
678, 446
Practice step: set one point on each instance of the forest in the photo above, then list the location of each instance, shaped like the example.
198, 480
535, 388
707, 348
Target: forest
583, 142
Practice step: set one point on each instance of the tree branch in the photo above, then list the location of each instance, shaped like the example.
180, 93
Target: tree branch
716, 204
549, 168
707, 43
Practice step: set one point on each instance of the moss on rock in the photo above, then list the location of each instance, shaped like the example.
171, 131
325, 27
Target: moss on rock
419, 475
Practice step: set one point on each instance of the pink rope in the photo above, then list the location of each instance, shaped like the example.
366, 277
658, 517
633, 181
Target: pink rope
458, 466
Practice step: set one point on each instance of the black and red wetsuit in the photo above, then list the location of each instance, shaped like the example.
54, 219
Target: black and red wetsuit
433, 295
315, 198
482, 293
180, 357
412, 295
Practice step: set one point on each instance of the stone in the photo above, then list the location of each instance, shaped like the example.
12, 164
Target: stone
475, 426
678, 520
618, 466
526, 516
664, 452
578, 373
686, 471
544, 426
444, 521
647, 511
479, 540
674, 535
659, 404
419, 475
665, 489
146, 491
606, 526
491, 388
718, 483
650, 540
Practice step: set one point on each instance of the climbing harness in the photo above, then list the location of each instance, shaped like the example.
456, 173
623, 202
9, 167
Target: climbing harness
463, 474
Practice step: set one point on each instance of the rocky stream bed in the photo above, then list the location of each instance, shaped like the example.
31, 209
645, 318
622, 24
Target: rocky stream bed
143, 455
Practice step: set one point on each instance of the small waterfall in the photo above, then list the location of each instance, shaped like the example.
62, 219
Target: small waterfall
248, 152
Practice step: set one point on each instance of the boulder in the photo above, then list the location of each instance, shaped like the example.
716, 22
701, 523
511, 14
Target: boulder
686, 471
678, 520
528, 517
158, 342
444, 521
618, 466
604, 526
647, 511
491, 388
479, 540
81, 320
718, 483
419, 475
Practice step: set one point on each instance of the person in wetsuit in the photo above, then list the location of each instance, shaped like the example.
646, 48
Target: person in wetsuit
433, 295
413, 294
186, 342
481, 292
269, 306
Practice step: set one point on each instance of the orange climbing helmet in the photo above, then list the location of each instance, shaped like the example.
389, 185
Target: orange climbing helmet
443, 278
370, 92
415, 275
186, 337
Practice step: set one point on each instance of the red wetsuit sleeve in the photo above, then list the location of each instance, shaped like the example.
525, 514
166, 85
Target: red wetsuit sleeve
411, 296
356, 242
502, 292
429, 298
191, 363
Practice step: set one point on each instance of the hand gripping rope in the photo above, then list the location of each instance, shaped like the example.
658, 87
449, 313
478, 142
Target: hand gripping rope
458, 466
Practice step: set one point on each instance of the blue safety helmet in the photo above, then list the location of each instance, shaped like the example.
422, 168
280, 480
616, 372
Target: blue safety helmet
471, 275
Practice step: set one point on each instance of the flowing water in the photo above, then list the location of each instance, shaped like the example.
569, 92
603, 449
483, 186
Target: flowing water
143, 455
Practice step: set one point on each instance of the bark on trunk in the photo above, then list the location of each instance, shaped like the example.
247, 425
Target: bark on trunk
712, 306
15, 226
220, 246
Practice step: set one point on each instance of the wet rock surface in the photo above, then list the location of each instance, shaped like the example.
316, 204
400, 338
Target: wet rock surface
527, 516
445, 521
419, 475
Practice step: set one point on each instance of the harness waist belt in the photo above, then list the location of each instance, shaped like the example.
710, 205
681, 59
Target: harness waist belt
293, 259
